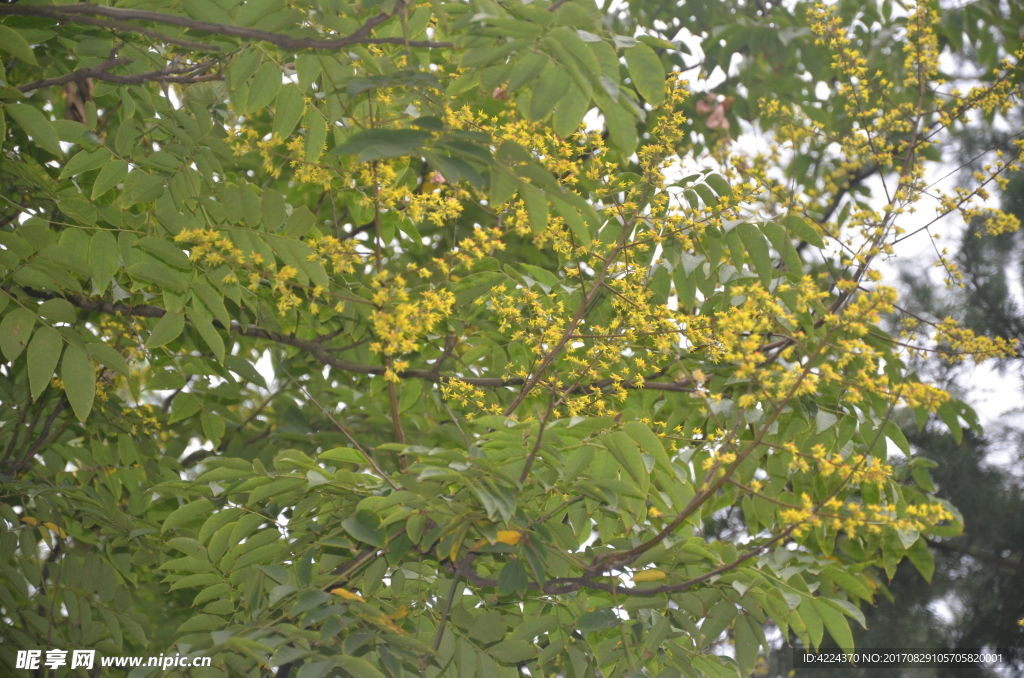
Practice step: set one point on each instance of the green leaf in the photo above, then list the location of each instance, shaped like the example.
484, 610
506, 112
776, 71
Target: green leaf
513, 651
574, 220
267, 552
375, 144
488, 627
598, 620
274, 210
108, 357
206, 10
852, 584
43, 355
184, 406
15, 330
512, 578
644, 437
13, 43
217, 521
344, 454
186, 514
719, 618
299, 223
803, 230
191, 580
358, 668
503, 185
83, 161
626, 452
747, 645
366, 528
621, 126
209, 334
783, 244
316, 134
950, 416
921, 556
167, 330
316, 669
58, 310
264, 88
756, 246
201, 622
252, 11
112, 173
718, 184
37, 125
244, 369
536, 206
812, 620
211, 592
531, 628
835, 622
547, 91
526, 69
79, 379
895, 434
213, 301
570, 111
647, 73
277, 487
150, 272
288, 110
252, 207
165, 251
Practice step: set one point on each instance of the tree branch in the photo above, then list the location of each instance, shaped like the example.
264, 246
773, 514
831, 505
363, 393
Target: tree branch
323, 355
101, 72
562, 585
132, 28
355, 443
71, 12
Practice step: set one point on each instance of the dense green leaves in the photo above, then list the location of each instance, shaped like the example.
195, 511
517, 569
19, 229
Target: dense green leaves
374, 362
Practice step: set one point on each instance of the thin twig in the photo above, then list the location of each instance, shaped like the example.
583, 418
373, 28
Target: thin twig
69, 13
369, 460
316, 349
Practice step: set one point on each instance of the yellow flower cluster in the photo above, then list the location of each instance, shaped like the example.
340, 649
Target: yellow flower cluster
963, 342
466, 395
400, 322
483, 243
856, 470
342, 255
210, 247
852, 517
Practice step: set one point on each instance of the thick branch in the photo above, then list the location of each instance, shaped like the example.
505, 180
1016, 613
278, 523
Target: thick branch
71, 12
101, 72
132, 28
77, 76
562, 585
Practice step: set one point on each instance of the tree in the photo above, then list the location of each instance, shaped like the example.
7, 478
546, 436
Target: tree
512, 372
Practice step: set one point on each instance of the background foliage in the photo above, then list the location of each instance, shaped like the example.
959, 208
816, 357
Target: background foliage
578, 399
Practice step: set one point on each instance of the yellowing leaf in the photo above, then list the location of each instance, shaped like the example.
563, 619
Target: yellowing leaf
30, 520
348, 595
649, 575
56, 530
510, 537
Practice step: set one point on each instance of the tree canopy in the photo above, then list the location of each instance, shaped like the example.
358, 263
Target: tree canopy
385, 338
